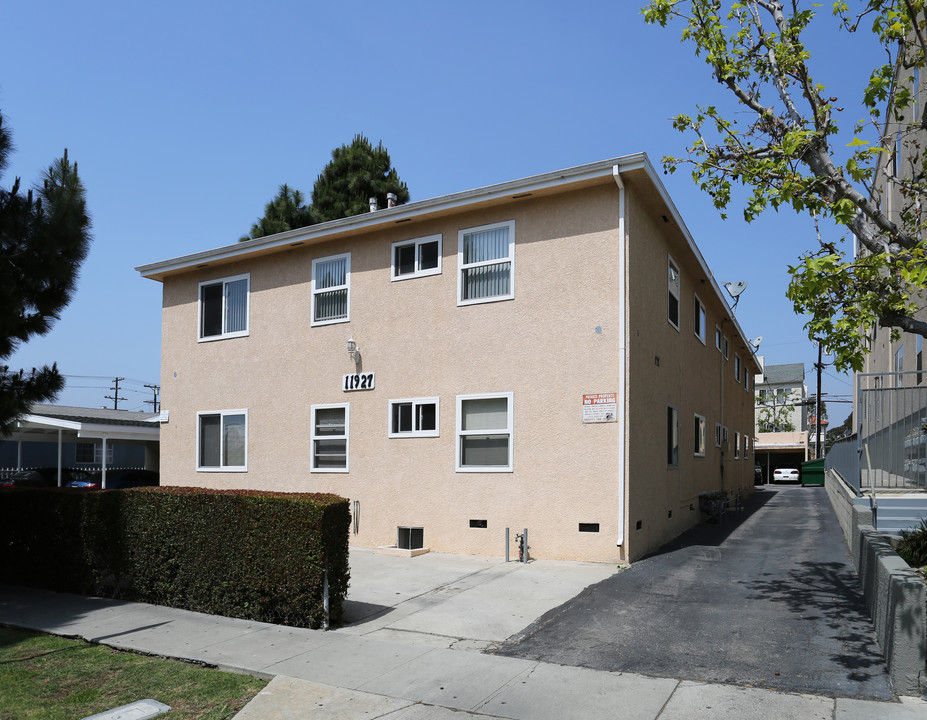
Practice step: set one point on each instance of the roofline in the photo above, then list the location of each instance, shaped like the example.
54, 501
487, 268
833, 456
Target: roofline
654, 177
398, 214
404, 213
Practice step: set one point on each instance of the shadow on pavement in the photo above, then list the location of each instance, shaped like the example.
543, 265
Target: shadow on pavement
827, 595
714, 534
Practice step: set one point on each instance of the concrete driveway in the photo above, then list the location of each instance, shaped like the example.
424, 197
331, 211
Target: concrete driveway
768, 599
465, 602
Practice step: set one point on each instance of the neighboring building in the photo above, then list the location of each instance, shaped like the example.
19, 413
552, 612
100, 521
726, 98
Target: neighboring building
550, 353
885, 460
79, 437
781, 417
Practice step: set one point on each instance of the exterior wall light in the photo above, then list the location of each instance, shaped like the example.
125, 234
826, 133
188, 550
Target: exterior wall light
353, 351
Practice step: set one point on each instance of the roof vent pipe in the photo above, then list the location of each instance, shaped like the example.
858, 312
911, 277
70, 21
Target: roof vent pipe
373, 204
391, 200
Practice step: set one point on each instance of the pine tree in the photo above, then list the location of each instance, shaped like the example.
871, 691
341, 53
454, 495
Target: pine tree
356, 173
286, 211
44, 237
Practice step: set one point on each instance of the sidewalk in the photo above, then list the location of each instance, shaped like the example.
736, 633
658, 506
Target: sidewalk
411, 650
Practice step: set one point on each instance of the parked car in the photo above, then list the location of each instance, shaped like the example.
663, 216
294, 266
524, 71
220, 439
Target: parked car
42, 477
118, 480
785, 475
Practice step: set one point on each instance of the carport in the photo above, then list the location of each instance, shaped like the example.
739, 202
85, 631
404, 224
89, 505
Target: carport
781, 449
62, 423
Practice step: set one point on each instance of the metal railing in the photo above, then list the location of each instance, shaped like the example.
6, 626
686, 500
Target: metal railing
843, 456
891, 417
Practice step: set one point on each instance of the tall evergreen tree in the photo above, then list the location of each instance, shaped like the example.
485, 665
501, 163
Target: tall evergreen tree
356, 173
44, 237
286, 211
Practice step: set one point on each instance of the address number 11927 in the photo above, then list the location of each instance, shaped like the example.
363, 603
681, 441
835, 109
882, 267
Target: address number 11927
358, 381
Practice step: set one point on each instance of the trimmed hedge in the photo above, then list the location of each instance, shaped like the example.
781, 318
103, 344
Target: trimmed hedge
247, 554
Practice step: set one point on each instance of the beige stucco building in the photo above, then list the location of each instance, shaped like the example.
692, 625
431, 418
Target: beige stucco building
550, 353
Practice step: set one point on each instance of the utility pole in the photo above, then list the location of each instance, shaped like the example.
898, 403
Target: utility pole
155, 406
115, 396
817, 408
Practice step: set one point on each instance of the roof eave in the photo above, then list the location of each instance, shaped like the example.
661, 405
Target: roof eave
390, 216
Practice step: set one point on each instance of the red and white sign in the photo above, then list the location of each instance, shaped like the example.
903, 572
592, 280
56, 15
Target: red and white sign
600, 408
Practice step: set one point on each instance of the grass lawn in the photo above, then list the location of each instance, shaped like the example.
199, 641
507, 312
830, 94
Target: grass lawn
42, 676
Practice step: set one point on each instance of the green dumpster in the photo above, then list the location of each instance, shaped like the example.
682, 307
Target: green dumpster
812, 472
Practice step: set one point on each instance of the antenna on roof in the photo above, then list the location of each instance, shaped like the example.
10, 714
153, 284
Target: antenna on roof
735, 289
755, 343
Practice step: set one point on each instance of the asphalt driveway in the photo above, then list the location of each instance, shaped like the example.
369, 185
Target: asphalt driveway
768, 599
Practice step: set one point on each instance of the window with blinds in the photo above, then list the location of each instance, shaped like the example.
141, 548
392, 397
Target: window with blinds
486, 262
224, 308
331, 289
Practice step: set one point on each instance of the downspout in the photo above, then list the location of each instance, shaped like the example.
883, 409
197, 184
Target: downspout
622, 354
103, 465
60, 445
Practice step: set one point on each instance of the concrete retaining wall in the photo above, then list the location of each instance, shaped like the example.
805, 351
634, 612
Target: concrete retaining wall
895, 596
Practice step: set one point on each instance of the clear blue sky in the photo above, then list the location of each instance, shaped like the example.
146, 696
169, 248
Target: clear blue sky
185, 117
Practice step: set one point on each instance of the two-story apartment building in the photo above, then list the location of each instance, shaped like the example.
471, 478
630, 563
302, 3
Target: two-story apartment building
551, 353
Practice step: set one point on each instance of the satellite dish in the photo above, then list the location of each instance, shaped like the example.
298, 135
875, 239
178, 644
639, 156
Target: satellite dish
756, 343
735, 288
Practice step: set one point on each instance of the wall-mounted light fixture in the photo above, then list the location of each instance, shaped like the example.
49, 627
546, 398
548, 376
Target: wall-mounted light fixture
353, 351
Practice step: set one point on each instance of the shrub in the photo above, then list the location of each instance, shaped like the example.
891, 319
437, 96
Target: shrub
913, 545
255, 555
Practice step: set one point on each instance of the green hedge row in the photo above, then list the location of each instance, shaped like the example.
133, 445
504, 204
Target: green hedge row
246, 554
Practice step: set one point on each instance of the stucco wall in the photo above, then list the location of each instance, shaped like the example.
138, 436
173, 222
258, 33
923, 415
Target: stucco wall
542, 346
670, 366
557, 340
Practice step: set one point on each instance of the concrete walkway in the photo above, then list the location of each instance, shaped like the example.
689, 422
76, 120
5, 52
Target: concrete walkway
411, 650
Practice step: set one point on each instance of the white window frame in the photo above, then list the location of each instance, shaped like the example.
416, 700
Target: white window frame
737, 365
222, 415
671, 267
96, 453
508, 430
717, 435
672, 436
416, 403
224, 335
417, 272
700, 319
719, 336
510, 224
699, 435
736, 445
346, 286
346, 437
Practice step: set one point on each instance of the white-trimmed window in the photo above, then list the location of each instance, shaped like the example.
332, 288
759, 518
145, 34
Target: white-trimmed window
699, 436
736, 445
719, 337
701, 332
329, 441
746, 379
737, 367
416, 258
717, 434
223, 308
222, 441
91, 453
672, 313
672, 436
331, 289
484, 432
414, 417
486, 263
746, 446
